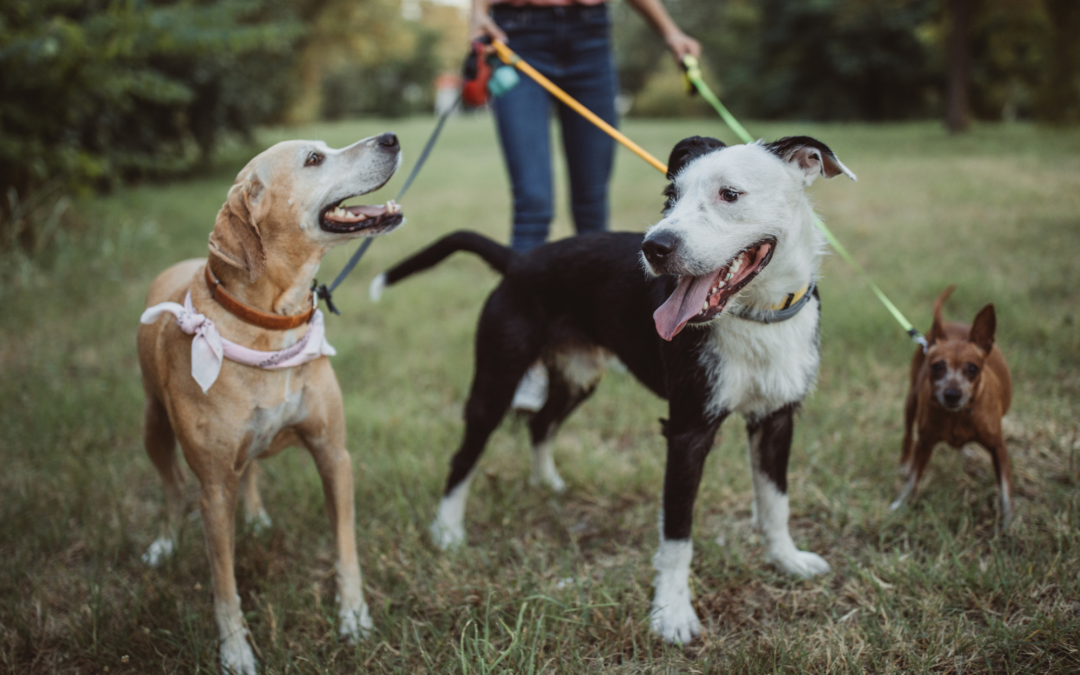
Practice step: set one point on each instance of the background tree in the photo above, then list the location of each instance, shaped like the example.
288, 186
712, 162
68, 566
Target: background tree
96, 92
957, 105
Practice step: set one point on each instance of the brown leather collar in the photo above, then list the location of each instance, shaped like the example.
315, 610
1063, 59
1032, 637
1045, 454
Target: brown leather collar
251, 315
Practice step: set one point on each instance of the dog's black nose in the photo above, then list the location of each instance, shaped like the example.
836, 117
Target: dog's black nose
389, 141
952, 397
659, 247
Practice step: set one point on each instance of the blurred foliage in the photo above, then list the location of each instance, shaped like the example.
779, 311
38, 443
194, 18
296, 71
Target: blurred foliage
862, 59
398, 85
363, 58
97, 92
94, 92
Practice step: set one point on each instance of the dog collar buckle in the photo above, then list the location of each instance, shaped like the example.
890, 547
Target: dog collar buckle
788, 309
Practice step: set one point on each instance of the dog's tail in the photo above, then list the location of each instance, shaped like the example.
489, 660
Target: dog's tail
936, 330
493, 253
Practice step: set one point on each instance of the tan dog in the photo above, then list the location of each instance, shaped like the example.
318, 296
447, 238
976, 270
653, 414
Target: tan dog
960, 389
281, 217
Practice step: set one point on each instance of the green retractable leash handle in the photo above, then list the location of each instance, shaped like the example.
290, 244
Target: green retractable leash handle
692, 73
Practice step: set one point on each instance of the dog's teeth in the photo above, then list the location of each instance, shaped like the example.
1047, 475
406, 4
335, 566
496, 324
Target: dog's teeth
721, 285
728, 277
704, 306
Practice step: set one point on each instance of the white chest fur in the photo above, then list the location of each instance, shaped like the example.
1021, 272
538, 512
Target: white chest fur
266, 422
757, 368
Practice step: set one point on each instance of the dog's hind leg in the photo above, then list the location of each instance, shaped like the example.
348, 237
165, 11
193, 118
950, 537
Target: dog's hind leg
572, 379
254, 512
160, 442
505, 347
770, 447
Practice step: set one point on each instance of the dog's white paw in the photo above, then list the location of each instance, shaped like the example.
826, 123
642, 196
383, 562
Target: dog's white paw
447, 536
378, 285
554, 483
260, 522
798, 563
355, 624
549, 479
236, 655
676, 621
158, 551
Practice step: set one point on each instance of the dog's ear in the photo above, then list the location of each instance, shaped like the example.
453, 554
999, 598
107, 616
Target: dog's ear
937, 330
689, 149
983, 328
684, 152
811, 155
236, 238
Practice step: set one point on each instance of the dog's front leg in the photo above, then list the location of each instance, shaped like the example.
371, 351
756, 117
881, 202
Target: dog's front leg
1003, 469
218, 507
327, 448
920, 458
770, 447
673, 616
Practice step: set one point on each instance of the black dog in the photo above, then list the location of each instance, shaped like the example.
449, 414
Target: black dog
737, 235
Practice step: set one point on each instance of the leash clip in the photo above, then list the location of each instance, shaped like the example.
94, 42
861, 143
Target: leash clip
323, 293
919, 339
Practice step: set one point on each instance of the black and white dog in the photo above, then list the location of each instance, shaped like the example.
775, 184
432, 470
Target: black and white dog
723, 318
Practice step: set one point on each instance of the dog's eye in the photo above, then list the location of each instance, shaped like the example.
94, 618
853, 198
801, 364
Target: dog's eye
937, 369
314, 159
729, 195
971, 370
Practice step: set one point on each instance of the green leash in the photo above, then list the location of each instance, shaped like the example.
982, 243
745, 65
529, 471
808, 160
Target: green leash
693, 75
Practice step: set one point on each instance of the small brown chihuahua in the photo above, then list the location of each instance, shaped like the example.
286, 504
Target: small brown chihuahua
960, 389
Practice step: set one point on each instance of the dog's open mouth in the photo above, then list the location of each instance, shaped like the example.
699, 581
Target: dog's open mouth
369, 219
703, 298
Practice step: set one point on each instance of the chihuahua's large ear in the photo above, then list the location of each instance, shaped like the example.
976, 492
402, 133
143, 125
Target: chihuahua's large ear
811, 155
937, 329
236, 238
983, 328
684, 152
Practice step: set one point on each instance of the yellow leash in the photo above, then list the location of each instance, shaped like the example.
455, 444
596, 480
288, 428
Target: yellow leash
510, 58
693, 73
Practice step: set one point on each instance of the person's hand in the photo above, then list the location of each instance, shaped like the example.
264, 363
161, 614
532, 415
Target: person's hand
483, 25
680, 44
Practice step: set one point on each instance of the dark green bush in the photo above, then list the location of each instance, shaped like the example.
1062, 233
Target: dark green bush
93, 92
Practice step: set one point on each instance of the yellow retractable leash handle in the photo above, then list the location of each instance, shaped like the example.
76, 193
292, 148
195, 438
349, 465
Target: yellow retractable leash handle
693, 77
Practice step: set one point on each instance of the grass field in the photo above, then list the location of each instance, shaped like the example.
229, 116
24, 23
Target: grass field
563, 583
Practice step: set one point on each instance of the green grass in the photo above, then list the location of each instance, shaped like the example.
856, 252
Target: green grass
562, 584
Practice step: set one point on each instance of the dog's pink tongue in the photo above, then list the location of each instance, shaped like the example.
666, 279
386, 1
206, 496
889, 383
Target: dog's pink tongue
684, 303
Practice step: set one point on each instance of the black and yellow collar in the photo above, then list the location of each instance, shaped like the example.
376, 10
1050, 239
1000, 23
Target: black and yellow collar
781, 311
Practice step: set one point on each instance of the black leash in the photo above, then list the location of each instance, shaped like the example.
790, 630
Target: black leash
326, 293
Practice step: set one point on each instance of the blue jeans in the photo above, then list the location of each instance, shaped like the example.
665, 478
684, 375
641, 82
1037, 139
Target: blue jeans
571, 46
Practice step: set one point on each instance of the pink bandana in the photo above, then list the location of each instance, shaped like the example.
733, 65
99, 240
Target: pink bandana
208, 348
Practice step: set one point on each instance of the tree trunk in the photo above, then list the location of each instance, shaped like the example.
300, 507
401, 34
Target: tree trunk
1058, 99
957, 106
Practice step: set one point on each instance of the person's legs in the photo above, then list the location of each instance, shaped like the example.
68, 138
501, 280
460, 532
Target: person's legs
521, 116
589, 77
